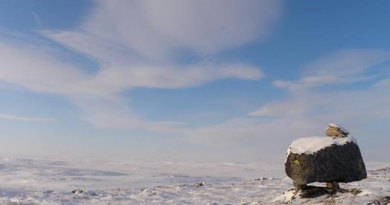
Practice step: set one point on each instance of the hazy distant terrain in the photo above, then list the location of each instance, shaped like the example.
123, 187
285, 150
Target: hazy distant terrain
59, 181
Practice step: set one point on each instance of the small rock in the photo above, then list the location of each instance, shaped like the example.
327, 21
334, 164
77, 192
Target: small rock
77, 191
199, 184
90, 193
313, 192
336, 131
383, 201
261, 179
355, 191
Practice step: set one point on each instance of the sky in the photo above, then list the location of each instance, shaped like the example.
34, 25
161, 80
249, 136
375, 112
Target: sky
200, 80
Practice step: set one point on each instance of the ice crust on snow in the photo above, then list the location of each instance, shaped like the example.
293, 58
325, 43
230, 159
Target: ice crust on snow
310, 145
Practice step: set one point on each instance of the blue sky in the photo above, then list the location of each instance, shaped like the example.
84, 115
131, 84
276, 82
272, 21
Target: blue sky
191, 80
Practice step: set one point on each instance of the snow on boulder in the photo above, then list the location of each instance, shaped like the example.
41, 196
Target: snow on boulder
310, 145
324, 159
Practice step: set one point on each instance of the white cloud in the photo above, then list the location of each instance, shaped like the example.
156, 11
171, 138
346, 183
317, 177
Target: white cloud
312, 81
346, 63
134, 44
28, 66
115, 79
155, 28
346, 66
41, 72
99, 49
25, 119
121, 31
296, 105
308, 107
306, 111
210, 26
305, 114
37, 20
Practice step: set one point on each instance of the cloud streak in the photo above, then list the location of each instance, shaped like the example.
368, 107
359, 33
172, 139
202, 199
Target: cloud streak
26, 119
339, 67
156, 28
135, 45
41, 72
309, 107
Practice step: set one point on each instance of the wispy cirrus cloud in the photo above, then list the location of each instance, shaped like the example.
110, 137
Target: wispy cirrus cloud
344, 66
135, 45
346, 63
156, 28
339, 67
41, 72
309, 107
25, 119
121, 31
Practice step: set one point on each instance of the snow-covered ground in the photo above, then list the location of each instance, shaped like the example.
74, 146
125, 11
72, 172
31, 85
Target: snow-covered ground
60, 181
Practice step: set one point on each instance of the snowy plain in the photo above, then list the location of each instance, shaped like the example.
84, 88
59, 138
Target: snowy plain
74, 181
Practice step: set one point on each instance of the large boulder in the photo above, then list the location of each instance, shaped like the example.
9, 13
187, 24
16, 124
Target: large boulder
324, 159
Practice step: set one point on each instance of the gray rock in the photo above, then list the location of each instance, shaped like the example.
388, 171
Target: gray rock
336, 131
336, 163
383, 201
